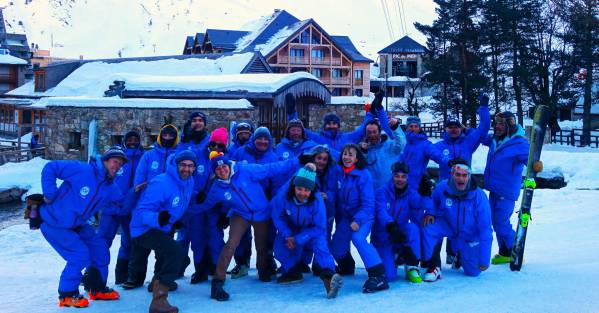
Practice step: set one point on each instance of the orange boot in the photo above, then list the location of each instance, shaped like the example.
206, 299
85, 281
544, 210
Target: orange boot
77, 301
104, 294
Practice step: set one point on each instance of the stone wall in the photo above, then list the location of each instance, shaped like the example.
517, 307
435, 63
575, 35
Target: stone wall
351, 115
62, 121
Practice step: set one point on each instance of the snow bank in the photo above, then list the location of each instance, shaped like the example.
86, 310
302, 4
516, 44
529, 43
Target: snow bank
116, 102
24, 175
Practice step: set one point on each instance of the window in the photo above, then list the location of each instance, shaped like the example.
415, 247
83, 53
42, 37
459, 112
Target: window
317, 72
305, 36
358, 92
296, 52
40, 82
75, 140
358, 74
336, 92
337, 73
317, 53
399, 91
315, 39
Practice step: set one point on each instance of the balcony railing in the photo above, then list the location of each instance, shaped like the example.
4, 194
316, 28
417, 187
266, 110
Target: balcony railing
319, 60
358, 81
340, 81
336, 61
7, 77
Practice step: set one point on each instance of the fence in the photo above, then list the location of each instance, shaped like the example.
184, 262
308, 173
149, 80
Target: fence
572, 137
432, 130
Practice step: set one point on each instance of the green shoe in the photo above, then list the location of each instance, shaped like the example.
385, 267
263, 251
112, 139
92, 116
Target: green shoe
500, 259
413, 275
239, 271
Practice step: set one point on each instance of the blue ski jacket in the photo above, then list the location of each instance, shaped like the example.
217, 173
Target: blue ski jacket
165, 192
465, 145
152, 163
303, 221
400, 208
336, 140
355, 196
416, 155
505, 161
124, 180
242, 191
86, 188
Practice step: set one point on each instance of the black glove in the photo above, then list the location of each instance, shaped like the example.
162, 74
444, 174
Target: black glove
223, 221
377, 103
32, 210
305, 158
425, 188
178, 224
397, 236
483, 100
200, 197
163, 218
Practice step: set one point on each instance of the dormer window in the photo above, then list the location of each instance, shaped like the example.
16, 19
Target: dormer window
40, 81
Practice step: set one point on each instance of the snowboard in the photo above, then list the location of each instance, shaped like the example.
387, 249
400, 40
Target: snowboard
537, 135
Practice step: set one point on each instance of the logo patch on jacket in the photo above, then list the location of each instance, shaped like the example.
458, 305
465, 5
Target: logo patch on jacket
120, 172
175, 201
228, 195
84, 191
154, 165
201, 169
448, 202
285, 155
445, 152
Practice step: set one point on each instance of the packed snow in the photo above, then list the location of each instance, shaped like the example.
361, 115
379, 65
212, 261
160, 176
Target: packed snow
278, 38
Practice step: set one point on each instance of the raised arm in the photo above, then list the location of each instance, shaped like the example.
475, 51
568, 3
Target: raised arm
63, 170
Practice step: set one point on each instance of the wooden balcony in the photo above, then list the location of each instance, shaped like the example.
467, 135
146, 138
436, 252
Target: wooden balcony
340, 81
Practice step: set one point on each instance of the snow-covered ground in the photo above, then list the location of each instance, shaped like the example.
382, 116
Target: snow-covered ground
559, 275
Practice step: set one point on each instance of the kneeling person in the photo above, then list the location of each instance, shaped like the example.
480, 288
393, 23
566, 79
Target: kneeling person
300, 218
461, 212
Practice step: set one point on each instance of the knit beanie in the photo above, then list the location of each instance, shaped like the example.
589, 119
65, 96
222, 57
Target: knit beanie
454, 120
331, 117
217, 159
185, 155
413, 120
400, 167
220, 135
243, 127
115, 152
305, 177
262, 132
198, 114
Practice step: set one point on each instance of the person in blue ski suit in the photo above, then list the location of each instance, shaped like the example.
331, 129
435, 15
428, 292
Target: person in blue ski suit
354, 219
200, 227
461, 142
240, 134
508, 154
395, 231
162, 203
461, 212
86, 188
257, 150
292, 145
299, 214
237, 187
382, 151
116, 214
331, 134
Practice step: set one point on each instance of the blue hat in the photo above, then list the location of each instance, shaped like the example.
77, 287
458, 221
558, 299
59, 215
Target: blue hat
185, 155
331, 117
400, 167
198, 114
413, 120
115, 152
454, 120
261, 132
305, 177
217, 159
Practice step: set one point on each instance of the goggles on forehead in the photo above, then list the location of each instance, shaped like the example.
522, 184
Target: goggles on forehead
500, 119
462, 166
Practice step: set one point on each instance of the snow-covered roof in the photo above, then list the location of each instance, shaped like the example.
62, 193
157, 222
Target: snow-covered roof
9, 59
279, 37
351, 99
235, 82
93, 78
27, 89
116, 102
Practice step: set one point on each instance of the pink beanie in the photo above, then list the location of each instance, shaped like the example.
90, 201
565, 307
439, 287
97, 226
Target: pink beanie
220, 135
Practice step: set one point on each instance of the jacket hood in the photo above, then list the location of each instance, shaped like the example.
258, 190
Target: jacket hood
176, 134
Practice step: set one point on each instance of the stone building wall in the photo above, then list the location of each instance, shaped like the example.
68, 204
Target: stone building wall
62, 122
351, 115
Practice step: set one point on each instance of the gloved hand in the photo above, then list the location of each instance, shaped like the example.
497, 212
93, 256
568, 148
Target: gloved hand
367, 107
223, 221
483, 100
32, 212
377, 103
200, 197
163, 218
397, 236
425, 188
537, 166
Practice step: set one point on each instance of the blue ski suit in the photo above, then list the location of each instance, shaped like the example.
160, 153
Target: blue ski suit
355, 203
85, 189
403, 209
416, 155
336, 140
306, 222
466, 220
503, 178
116, 214
465, 145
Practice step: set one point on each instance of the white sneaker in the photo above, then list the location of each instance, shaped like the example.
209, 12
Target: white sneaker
432, 275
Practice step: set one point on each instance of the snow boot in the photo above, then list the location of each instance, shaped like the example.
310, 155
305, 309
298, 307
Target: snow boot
217, 291
346, 265
171, 287
332, 283
159, 302
200, 274
294, 275
240, 270
412, 274
376, 279
76, 301
305, 268
432, 274
120, 271
267, 275
501, 259
316, 269
130, 284
104, 294
186, 262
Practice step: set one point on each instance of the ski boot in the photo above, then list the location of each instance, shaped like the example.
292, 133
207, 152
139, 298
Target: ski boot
76, 301
376, 279
104, 294
413, 274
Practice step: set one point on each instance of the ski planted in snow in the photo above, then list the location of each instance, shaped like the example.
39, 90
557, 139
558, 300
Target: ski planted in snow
537, 135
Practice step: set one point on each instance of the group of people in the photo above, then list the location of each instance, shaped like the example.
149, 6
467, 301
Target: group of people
307, 199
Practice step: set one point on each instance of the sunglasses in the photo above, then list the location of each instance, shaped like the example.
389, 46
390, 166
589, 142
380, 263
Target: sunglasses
216, 145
